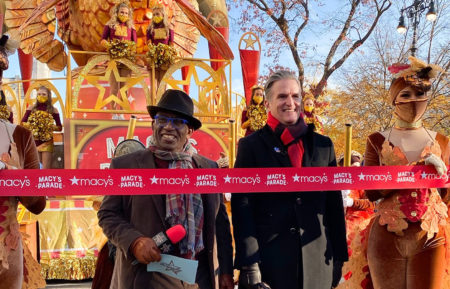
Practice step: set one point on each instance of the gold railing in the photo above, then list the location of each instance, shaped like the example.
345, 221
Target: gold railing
210, 89
239, 106
19, 102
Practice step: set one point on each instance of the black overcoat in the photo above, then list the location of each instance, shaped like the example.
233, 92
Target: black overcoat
295, 236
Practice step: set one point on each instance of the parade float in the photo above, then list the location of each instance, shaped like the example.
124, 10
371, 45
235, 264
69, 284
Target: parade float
66, 239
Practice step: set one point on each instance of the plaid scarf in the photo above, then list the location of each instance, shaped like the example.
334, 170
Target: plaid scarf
290, 136
184, 209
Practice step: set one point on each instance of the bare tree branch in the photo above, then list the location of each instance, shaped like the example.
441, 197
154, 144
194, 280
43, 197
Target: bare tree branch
327, 71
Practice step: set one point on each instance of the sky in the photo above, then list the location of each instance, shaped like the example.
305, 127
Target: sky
202, 52
310, 34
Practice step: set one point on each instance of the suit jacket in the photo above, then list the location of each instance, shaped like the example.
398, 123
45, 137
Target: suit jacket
295, 237
125, 218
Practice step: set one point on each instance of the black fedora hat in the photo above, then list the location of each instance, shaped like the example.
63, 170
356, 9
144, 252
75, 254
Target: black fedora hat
176, 101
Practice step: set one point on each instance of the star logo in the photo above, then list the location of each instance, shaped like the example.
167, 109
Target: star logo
249, 42
165, 248
296, 178
361, 176
74, 181
423, 175
171, 267
154, 180
227, 179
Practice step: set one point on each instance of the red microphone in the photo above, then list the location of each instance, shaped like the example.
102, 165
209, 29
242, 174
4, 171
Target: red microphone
173, 235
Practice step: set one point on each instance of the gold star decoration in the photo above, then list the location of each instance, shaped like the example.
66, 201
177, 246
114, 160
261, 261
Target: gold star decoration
216, 19
121, 99
205, 86
249, 42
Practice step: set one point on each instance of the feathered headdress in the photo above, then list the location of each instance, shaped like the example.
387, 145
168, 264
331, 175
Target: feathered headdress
417, 74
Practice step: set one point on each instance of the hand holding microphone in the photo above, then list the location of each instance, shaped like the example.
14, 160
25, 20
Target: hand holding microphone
147, 249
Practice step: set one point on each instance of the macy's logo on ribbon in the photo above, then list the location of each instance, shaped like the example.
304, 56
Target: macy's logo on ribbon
206, 180
50, 182
170, 181
92, 182
242, 180
405, 177
375, 178
131, 181
310, 179
434, 176
276, 179
16, 183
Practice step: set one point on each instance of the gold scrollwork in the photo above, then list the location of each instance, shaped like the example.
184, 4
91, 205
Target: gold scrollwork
12, 100
93, 79
213, 95
56, 97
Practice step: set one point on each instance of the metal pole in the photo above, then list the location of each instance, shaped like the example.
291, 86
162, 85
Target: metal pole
153, 81
414, 41
232, 152
69, 87
348, 145
131, 127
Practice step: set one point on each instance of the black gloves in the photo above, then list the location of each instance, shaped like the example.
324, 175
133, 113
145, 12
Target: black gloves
337, 273
250, 278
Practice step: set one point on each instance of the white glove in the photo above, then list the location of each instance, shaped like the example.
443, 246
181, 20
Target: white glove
6, 166
348, 202
437, 162
345, 193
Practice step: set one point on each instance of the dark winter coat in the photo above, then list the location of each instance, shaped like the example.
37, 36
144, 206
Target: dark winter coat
294, 236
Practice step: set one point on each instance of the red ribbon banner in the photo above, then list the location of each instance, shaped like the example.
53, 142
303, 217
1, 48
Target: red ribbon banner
205, 181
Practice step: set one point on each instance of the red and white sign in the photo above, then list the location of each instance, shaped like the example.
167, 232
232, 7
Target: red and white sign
98, 151
162, 181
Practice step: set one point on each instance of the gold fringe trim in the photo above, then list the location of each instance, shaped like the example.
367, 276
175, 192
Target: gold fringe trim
69, 268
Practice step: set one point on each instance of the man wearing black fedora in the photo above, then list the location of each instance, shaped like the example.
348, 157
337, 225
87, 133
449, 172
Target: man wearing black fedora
130, 222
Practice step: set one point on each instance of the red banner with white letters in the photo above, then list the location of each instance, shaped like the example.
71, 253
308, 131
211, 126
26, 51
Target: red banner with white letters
162, 181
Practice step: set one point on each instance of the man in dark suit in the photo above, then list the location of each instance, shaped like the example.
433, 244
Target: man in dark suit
287, 240
130, 221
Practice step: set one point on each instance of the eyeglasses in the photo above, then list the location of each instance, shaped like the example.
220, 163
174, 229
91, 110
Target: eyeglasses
177, 123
